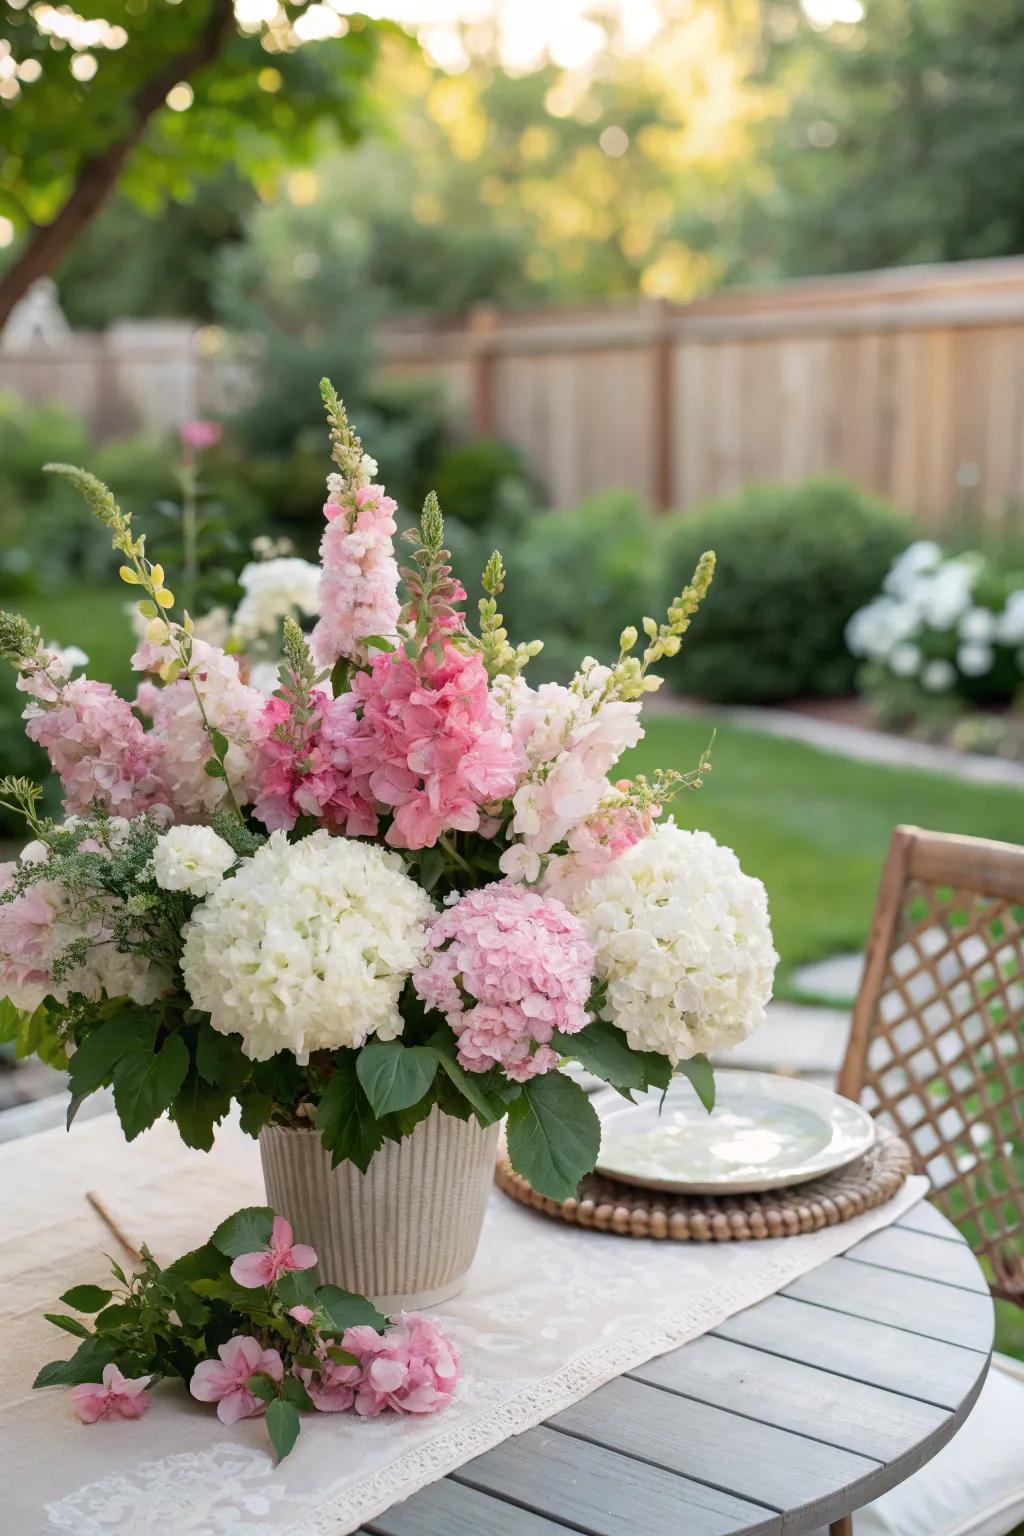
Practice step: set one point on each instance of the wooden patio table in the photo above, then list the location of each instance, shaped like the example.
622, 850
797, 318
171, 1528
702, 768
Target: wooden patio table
784, 1419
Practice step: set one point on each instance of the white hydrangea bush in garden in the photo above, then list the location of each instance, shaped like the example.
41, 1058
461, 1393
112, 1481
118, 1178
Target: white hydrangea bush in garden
946, 632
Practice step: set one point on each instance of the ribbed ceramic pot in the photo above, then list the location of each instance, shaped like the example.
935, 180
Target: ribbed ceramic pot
405, 1232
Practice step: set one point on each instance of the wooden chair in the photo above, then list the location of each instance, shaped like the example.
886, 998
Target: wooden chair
936, 1049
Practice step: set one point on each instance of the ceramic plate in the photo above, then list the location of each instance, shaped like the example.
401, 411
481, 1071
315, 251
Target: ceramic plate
765, 1132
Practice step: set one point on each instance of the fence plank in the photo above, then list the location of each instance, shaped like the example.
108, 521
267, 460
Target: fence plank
909, 381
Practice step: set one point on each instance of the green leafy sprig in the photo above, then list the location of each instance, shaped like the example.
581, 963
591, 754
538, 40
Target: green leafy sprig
163, 1322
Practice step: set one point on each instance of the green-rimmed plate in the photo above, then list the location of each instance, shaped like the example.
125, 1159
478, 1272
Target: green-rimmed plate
765, 1132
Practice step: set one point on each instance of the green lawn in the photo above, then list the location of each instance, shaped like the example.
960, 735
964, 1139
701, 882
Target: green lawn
94, 618
814, 827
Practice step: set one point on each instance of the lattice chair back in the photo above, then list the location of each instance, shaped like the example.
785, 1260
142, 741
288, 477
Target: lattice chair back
936, 1050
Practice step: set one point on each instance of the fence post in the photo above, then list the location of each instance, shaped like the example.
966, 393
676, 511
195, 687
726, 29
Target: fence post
484, 323
662, 362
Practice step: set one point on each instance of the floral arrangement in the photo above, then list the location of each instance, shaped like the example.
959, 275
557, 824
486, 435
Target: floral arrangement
945, 633
407, 879
242, 1322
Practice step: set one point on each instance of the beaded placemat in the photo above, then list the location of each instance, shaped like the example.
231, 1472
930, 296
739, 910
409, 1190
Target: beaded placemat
607, 1205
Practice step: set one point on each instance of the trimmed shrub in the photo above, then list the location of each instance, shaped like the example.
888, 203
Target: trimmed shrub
485, 483
794, 564
577, 578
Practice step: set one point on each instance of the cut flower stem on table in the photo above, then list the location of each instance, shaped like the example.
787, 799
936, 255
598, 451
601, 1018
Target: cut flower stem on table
243, 1324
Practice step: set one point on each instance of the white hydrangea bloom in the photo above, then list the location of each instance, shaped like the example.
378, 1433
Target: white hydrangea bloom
1010, 624
979, 625
193, 859
683, 942
274, 589
308, 946
975, 659
905, 659
938, 675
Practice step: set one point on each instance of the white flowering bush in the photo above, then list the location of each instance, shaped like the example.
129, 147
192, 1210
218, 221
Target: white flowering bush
402, 880
946, 632
307, 947
683, 944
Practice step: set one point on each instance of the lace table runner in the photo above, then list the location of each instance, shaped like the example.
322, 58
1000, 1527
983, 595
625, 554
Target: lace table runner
549, 1314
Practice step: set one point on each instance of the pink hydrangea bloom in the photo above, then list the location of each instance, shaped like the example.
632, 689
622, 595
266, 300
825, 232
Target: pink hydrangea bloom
431, 744
224, 1381
231, 706
359, 584
98, 749
28, 944
115, 1398
526, 965
279, 1257
411, 1368
306, 770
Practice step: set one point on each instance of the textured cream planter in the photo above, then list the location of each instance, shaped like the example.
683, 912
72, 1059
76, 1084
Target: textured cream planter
405, 1232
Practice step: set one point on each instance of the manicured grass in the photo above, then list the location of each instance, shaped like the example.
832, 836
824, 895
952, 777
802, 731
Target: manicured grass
814, 827
93, 618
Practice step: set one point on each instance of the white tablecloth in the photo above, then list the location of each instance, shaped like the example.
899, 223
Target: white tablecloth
549, 1314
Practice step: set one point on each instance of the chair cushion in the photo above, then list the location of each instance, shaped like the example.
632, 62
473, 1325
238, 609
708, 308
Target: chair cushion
975, 1485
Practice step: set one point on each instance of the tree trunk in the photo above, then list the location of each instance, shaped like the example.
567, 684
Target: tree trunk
48, 243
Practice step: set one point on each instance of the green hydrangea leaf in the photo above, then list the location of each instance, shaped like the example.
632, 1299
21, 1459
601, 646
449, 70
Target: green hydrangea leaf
345, 1118
282, 1426
247, 1231
395, 1076
701, 1075
86, 1298
554, 1135
603, 1049
146, 1084
344, 1309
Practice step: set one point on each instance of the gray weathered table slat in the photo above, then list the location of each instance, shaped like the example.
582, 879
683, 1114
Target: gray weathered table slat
786, 1417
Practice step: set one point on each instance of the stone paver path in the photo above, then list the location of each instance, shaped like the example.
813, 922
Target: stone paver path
852, 741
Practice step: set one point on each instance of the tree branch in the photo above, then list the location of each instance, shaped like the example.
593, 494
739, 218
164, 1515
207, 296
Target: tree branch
98, 177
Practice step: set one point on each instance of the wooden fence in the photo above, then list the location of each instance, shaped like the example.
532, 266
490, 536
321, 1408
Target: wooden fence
141, 375
909, 381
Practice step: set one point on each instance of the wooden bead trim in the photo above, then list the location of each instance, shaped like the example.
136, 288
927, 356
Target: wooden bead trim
605, 1205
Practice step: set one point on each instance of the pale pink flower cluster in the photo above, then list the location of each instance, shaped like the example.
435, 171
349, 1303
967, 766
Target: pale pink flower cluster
431, 744
231, 707
526, 966
225, 1381
37, 927
114, 1398
359, 583
307, 770
603, 837
571, 738
98, 750
280, 1257
412, 1367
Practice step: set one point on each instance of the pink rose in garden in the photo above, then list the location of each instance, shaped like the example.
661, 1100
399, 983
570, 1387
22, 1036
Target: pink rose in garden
411, 1368
197, 436
224, 1381
114, 1398
279, 1257
527, 967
